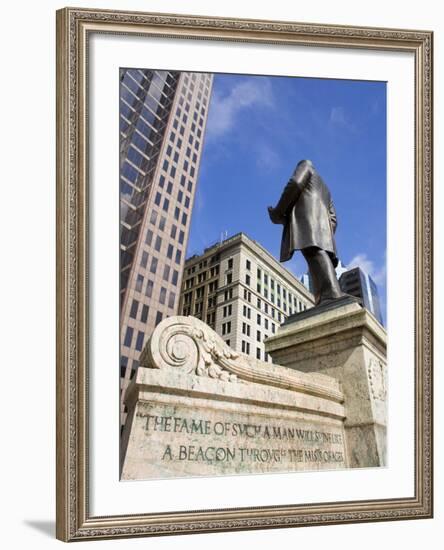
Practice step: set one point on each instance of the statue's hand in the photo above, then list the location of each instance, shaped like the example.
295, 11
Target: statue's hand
274, 217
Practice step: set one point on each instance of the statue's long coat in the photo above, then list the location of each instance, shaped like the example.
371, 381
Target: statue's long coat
307, 212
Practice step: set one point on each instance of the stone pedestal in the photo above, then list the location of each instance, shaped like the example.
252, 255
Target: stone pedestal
197, 408
348, 344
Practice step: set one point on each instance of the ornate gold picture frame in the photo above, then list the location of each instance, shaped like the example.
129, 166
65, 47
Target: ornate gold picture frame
75, 520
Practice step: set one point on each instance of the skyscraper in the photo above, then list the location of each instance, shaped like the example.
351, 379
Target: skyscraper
242, 292
358, 283
163, 117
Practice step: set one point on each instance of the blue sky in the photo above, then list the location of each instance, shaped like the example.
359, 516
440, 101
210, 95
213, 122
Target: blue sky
258, 129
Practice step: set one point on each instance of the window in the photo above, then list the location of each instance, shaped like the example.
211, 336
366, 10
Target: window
181, 237
258, 336
149, 288
180, 196
171, 299
139, 283
123, 365
158, 318
144, 259
139, 341
162, 295
229, 278
157, 198
149, 237
247, 280
227, 342
273, 328
259, 303
162, 223
170, 251
144, 314
175, 277
153, 217
173, 231
173, 171
134, 308
258, 353
158, 243
266, 323
184, 218
166, 204
128, 337
228, 294
176, 213
230, 263
245, 347
153, 267
200, 292
226, 328
258, 319
170, 187
166, 272
178, 256
259, 274
134, 367
248, 265
227, 310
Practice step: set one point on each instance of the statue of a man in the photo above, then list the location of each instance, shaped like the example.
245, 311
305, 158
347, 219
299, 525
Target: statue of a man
308, 215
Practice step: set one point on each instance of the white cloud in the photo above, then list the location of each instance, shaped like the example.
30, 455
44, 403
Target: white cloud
267, 158
377, 273
224, 110
339, 118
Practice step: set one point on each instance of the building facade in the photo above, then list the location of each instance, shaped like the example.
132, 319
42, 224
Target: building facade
242, 292
163, 117
358, 283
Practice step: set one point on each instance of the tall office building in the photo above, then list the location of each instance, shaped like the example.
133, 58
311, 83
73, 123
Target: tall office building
358, 283
242, 292
163, 116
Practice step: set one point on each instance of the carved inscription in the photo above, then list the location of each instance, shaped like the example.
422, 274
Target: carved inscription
224, 442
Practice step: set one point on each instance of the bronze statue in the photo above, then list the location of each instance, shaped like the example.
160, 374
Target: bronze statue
307, 213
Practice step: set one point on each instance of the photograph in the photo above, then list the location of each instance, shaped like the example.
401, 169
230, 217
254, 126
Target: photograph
252, 273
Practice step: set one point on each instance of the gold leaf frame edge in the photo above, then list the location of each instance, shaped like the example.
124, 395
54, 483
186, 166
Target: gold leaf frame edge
72, 517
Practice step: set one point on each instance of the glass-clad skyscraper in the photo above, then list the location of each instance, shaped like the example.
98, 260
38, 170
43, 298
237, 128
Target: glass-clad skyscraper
358, 283
163, 116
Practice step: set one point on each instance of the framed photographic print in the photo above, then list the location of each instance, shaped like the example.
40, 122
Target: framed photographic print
244, 274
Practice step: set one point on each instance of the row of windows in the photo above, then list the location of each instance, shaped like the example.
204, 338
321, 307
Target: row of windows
140, 335
166, 269
201, 277
174, 233
124, 365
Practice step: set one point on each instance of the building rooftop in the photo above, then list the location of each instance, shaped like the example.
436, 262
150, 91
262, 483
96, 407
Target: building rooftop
258, 250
